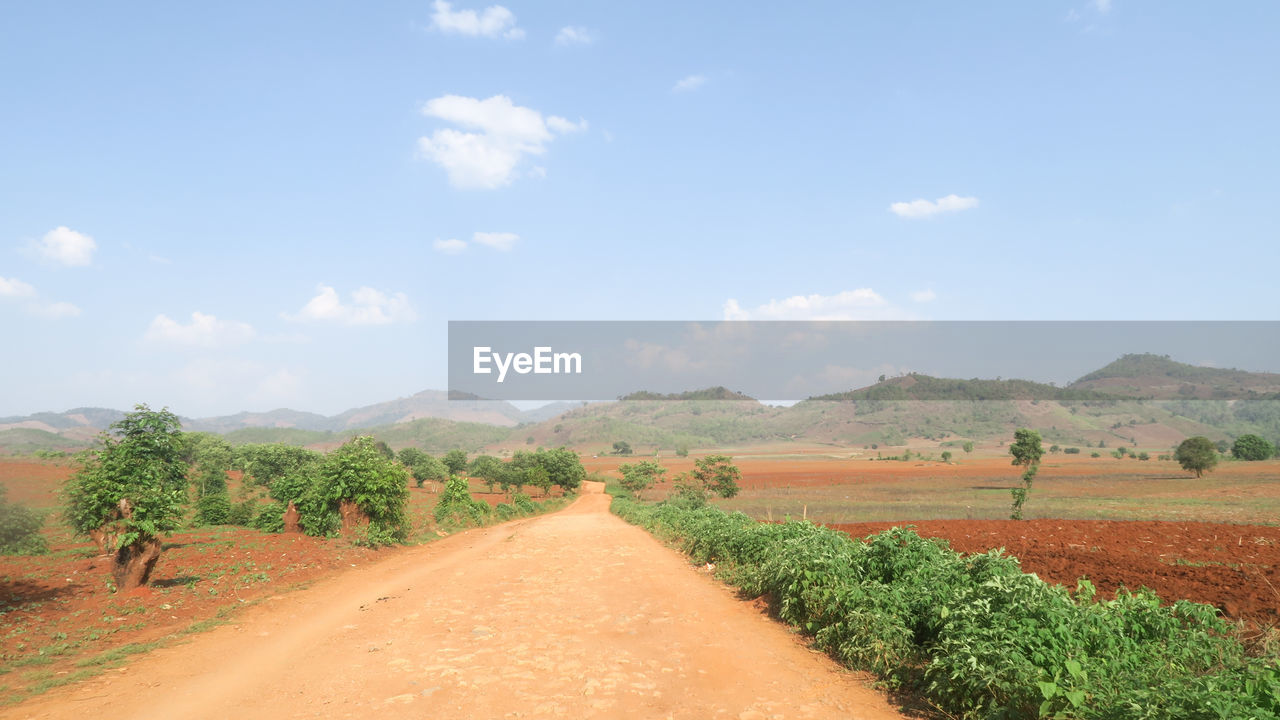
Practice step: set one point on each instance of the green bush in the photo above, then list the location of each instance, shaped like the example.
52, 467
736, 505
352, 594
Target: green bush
974, 634
456, 507
242, 513
214, 509
270, 518
20, 529
1253, 448
362, 472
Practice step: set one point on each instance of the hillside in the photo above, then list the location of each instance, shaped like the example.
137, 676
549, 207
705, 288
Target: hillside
1161, 378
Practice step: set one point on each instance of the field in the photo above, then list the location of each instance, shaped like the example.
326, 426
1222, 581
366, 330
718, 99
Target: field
60, 620
1118, 522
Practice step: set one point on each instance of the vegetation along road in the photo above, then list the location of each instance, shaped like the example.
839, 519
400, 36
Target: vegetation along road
572, 615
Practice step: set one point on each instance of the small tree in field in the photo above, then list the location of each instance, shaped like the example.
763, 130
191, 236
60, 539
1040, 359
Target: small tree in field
718, 474
638, 477
130, 491
456, 461
1026, 451
1252, 447
622, 447
967, 446
946, 456
1197, 454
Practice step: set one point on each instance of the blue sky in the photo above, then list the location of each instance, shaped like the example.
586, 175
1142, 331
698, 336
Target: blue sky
238, 206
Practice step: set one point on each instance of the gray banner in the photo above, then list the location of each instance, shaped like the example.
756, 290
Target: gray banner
600, 360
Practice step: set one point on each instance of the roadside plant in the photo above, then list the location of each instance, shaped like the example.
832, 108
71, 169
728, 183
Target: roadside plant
718, 474
638, 477
129, 491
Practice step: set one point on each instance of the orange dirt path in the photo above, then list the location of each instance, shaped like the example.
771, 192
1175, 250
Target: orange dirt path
569, 615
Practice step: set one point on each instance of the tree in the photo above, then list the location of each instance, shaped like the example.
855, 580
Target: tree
359, 483
538, 477
130, 491
622, 447
488, 469
718, 474
564, 467
638, 477
1197, 454
1252, 447
682, 450
456, 461
946, 456
1026, 451
968, 446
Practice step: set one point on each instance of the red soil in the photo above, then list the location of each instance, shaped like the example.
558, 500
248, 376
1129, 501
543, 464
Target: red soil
1235, 568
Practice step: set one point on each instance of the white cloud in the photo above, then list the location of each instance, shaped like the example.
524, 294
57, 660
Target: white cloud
924, 296
13, 287
563, 126
66, 247
367, 307
494, 21
498, 134
56, 310
924, 208
502, 241
575, 35
860, 304
204, 331
452, 246
690, 83
1102, 6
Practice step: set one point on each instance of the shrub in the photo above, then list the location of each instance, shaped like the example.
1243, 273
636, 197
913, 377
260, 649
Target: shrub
456, 506
974, 634
20, 529
1252, 447
360, 472
270, 518
214, 509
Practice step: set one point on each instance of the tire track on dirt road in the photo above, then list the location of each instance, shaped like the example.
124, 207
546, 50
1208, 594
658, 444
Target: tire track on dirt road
570, 615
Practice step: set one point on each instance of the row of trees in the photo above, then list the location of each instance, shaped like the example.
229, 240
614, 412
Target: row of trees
133, 488
711, 475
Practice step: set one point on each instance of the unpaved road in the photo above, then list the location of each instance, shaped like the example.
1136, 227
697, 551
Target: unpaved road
570, 615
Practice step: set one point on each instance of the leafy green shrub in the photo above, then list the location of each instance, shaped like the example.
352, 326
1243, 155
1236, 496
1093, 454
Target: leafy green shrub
524, 504
361, 472
242, 513
214, 509
270, 518
1252, 447
20, 529
455, 505
974, 634
1071, 451
1197, 454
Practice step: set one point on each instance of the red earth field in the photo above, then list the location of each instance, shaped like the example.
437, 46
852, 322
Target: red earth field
1235, 568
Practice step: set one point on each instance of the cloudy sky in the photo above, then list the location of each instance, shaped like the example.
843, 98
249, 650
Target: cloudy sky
228, 206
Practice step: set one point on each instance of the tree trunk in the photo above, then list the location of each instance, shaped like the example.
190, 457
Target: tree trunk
352, 517
291, 519
134, 562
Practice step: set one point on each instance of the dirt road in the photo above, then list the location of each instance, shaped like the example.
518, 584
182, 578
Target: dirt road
571, 615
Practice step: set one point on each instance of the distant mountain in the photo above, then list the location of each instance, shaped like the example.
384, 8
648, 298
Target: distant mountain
1159, 377
1148, 400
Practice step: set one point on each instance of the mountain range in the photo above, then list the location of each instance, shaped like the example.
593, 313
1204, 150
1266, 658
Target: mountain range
1143, 400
